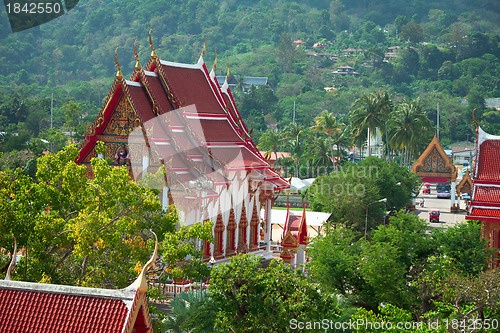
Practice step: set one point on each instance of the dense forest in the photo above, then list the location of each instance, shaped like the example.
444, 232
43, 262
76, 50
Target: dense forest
448, 53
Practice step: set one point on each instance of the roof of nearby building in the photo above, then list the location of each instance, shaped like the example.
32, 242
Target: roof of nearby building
39, 308
33, 307
485, 202
455, 150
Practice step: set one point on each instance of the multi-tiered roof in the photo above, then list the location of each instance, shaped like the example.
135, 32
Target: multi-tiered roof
485, 201
185, 122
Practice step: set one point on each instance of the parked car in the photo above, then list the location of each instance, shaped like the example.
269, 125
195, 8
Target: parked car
434, 216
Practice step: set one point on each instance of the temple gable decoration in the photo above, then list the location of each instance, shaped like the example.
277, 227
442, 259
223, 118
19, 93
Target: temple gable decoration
434, 165
465, 185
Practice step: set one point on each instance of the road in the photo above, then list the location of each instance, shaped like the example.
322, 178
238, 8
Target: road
443, 205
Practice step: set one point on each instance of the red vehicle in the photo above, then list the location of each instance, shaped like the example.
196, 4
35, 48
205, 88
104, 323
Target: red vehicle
434, 216
427, 188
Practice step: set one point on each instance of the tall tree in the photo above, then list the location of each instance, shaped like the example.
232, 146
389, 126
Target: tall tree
271, 141
328, 124
367, 116
293, 135
408, 123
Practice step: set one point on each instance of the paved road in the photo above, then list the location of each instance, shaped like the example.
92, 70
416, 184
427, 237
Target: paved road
431, 202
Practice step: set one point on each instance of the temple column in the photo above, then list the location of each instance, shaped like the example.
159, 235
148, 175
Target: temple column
453, 194
145, 165
224, 241
267, 217
165, 201
300, 256
237, 235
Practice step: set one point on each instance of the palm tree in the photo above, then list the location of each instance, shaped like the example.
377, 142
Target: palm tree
386, 107
320, 153
408, 123
367, 115
328, 124
271, 141
293, 134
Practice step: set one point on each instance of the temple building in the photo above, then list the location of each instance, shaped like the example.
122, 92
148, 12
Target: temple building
175, 127
295, 239
485, 200
435, 166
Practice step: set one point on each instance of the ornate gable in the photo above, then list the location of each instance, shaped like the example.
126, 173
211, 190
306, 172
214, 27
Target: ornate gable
465, 185
434, 165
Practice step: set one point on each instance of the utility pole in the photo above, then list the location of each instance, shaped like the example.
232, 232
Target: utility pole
438, 120
51, 109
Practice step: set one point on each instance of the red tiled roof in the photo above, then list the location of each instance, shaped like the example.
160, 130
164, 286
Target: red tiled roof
487, 194
41, 312
478, 212
155, 88
488, 164
191, 86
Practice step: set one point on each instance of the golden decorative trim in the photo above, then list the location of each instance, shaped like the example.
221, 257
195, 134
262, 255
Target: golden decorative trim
452, 175
215, 63
153, 52
119, 73
138, 63
204, 47
474, 119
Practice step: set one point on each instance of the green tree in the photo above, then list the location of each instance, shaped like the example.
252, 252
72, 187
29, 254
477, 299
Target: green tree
408, 124
251, 298
271, 141
412, 32
82, 231
367, 114
328, 124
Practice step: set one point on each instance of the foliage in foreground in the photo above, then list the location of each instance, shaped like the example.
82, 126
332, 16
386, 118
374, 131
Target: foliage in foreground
251, 298
434, 273
90, 232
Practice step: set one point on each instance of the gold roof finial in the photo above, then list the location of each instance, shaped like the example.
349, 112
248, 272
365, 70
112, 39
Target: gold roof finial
119, 73
215, 63
204, 47
153, 52
474, 120
13, 261
227, 76
137, 63
140, 283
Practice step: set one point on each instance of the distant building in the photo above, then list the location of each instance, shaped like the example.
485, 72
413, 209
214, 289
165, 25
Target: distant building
463, 155
346, 71
248, 81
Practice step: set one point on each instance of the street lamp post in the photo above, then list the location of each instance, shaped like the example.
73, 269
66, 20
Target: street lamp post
366, 216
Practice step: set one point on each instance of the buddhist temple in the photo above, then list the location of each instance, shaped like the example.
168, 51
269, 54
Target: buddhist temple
435, 166
40, 308
295, 238
485, 200
173, 122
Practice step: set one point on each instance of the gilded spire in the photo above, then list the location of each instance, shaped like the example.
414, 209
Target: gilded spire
204, 47
13, 261
137, 63
119, 73
215, 63
140, 283
474, 120
153, 52
227, 76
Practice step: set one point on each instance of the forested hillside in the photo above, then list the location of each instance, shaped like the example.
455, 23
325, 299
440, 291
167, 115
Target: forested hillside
448, 53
